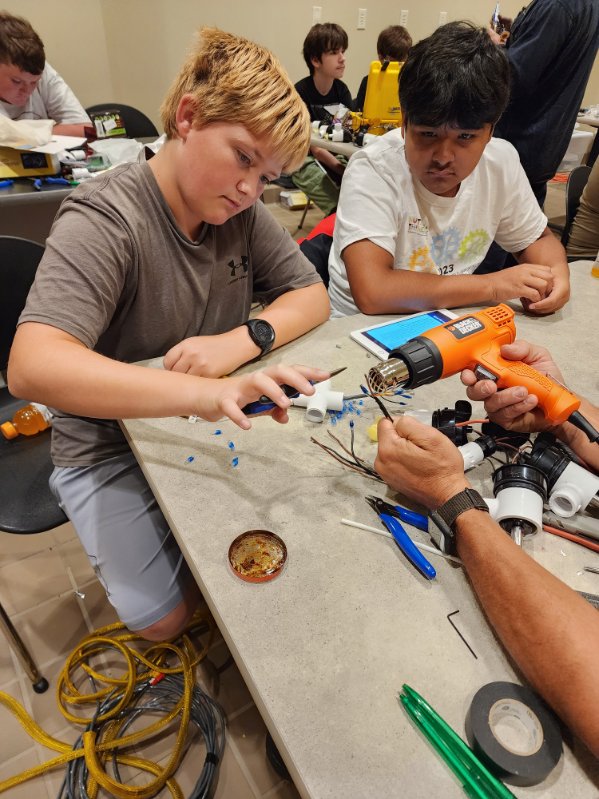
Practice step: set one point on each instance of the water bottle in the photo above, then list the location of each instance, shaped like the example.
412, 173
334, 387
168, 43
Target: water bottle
27, 421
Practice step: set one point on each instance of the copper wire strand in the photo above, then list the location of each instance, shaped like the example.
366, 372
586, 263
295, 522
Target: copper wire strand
351, 451
357, 465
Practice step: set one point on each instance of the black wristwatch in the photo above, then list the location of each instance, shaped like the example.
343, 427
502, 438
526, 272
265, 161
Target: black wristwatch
443, 519
262, 334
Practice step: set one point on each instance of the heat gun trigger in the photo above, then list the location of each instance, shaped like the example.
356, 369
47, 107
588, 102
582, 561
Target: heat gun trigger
484, 374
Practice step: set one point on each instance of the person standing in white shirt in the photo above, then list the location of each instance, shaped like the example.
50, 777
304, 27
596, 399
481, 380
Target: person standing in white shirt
29, 87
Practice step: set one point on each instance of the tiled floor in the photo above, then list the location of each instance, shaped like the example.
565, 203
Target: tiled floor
39, 576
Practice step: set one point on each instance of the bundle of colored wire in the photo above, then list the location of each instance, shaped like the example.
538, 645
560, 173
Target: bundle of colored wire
150, 686
352, 461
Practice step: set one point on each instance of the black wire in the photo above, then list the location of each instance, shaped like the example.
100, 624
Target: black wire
206, 715
381, 405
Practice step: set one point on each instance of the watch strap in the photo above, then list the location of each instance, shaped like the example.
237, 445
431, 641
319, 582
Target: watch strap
468, 499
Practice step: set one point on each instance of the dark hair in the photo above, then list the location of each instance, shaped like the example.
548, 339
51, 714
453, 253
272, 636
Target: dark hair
20, 45
394, 43
321, 39
457, 76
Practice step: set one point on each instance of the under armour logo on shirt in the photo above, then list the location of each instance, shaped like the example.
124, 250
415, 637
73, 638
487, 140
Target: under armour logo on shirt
243, 264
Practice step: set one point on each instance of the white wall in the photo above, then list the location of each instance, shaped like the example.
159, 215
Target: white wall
75, 42
129, 50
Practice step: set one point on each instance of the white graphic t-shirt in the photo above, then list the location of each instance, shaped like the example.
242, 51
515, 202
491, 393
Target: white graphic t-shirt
380, 201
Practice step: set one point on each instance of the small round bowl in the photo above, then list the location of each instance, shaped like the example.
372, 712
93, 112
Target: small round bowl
257, 556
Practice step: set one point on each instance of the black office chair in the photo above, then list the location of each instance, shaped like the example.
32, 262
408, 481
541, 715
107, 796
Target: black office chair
137, 124
577, 180
26, 502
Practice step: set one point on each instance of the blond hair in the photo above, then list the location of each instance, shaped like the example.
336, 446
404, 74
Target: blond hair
237, 81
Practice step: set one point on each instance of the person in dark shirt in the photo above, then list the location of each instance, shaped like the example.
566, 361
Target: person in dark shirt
393, 44
324, 53
551, 49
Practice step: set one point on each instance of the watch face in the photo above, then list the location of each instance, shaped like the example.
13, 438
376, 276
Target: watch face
262, 333
263, 330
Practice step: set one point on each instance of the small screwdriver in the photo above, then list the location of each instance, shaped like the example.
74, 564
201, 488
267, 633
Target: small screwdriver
266, 404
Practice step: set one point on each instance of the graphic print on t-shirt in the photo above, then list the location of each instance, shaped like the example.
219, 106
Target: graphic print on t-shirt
449, 252
241, 263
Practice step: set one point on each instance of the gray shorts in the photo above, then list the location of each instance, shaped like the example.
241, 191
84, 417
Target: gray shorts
126, 537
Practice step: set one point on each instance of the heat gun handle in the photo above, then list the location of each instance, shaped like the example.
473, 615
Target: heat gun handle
556, 401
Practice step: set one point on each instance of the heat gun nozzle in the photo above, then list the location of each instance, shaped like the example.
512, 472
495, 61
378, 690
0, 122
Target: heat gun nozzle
387, 375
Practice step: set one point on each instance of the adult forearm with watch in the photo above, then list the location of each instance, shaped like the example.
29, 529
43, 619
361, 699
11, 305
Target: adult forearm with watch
550, 632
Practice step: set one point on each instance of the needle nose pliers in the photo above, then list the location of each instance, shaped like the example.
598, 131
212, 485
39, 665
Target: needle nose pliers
390, 515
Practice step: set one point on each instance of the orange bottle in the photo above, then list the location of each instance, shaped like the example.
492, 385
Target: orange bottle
27, 421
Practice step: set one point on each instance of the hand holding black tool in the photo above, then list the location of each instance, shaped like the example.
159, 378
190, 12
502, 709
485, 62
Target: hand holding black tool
266, 404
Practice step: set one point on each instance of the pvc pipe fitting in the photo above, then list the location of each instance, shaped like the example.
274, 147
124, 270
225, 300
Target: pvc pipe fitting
320, 402
573, 491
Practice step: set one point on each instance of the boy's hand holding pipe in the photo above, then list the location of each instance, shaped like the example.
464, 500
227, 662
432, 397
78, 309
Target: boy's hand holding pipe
232, 394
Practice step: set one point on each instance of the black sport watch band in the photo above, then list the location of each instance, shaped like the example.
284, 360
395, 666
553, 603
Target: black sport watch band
262, 334
443, 519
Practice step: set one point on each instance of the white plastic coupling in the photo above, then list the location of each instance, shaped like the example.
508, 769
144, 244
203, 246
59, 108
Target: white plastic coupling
320, 402
574, 489
472, 454
519, 504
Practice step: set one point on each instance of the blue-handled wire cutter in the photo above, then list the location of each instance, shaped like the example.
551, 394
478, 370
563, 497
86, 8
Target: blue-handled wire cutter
390, 516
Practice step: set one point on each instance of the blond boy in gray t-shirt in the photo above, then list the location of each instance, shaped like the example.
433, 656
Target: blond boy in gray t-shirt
164, 258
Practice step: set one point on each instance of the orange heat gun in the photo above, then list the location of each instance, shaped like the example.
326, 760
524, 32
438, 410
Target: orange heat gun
473, 342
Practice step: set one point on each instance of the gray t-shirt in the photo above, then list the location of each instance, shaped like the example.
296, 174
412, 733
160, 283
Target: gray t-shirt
120, 276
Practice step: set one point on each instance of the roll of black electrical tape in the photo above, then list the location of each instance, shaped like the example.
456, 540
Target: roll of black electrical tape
514, 733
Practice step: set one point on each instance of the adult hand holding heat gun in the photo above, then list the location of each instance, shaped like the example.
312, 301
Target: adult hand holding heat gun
474, 342
516, 408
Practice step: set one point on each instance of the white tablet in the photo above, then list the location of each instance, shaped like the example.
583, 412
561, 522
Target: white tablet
381, 339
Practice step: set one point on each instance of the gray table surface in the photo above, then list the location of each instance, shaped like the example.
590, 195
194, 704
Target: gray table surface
327, 645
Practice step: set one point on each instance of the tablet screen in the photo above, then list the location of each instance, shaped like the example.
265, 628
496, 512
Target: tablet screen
396, 333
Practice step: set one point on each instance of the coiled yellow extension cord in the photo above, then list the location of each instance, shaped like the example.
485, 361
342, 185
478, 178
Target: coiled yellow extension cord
151, 665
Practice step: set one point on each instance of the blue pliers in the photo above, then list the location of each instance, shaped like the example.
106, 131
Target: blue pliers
49, 181
390, 516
